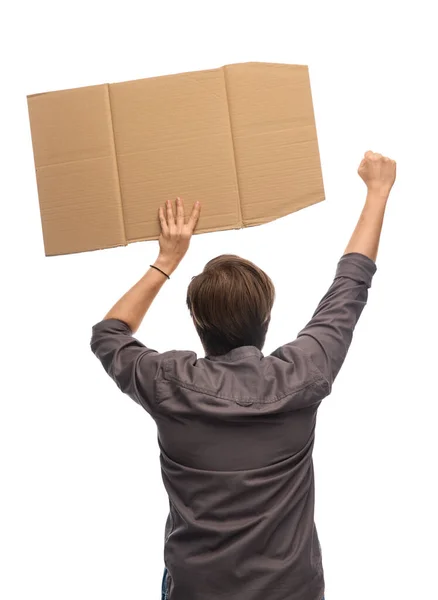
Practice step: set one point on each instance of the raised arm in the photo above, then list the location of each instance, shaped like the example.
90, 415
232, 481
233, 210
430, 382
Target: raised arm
378, 173
174, 242
130, 364
327, 337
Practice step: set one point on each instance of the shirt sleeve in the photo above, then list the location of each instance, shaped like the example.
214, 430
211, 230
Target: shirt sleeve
127, 361
327, 337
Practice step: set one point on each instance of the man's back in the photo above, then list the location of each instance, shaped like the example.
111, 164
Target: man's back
236, 435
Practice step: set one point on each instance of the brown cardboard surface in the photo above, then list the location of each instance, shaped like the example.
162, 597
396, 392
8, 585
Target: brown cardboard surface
78, 185
241, 139
173, 138
275, 143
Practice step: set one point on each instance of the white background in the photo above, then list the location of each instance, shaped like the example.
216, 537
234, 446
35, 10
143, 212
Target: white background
82, 503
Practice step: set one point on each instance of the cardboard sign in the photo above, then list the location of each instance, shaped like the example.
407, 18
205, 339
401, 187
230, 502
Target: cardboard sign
241, 139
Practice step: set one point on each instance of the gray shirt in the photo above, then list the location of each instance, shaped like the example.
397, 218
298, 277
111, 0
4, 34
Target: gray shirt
236, 435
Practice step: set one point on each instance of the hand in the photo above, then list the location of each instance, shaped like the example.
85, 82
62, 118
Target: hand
175, 234
378, 172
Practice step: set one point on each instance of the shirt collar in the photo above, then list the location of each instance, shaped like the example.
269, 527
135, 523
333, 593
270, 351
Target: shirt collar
238, 354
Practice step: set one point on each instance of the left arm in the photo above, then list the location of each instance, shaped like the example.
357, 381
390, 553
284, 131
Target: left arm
130, 364
174, 243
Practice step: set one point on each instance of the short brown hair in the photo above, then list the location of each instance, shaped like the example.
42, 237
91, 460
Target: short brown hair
230, 303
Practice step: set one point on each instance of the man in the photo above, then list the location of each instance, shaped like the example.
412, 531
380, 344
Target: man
236, 429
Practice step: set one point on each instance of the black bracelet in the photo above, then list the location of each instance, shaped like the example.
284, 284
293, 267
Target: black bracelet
165, 274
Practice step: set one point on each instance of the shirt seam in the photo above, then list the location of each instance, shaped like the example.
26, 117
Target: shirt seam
245, 399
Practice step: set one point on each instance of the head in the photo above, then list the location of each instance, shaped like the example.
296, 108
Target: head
230, 303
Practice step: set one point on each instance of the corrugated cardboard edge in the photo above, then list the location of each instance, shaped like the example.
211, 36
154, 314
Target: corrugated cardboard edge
167, 75
82, 87
86, 251
317, 139
254, 222
145, 239
35, 172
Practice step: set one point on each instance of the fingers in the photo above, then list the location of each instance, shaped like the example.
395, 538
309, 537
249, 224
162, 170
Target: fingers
376, 156
194, 217
179, 213
167, 217
372, 155
163, 222
170, 217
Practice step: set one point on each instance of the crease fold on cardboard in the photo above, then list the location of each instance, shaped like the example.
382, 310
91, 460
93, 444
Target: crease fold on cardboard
240, 138
239, 208
117, 165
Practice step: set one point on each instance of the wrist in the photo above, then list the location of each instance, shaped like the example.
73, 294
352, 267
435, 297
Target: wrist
377, 197
378, 192
167, 264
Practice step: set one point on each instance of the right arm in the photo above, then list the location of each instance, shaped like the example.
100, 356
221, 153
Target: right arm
327, 337
378, 172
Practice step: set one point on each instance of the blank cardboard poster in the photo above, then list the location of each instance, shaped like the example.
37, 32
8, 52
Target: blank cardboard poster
241, 139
